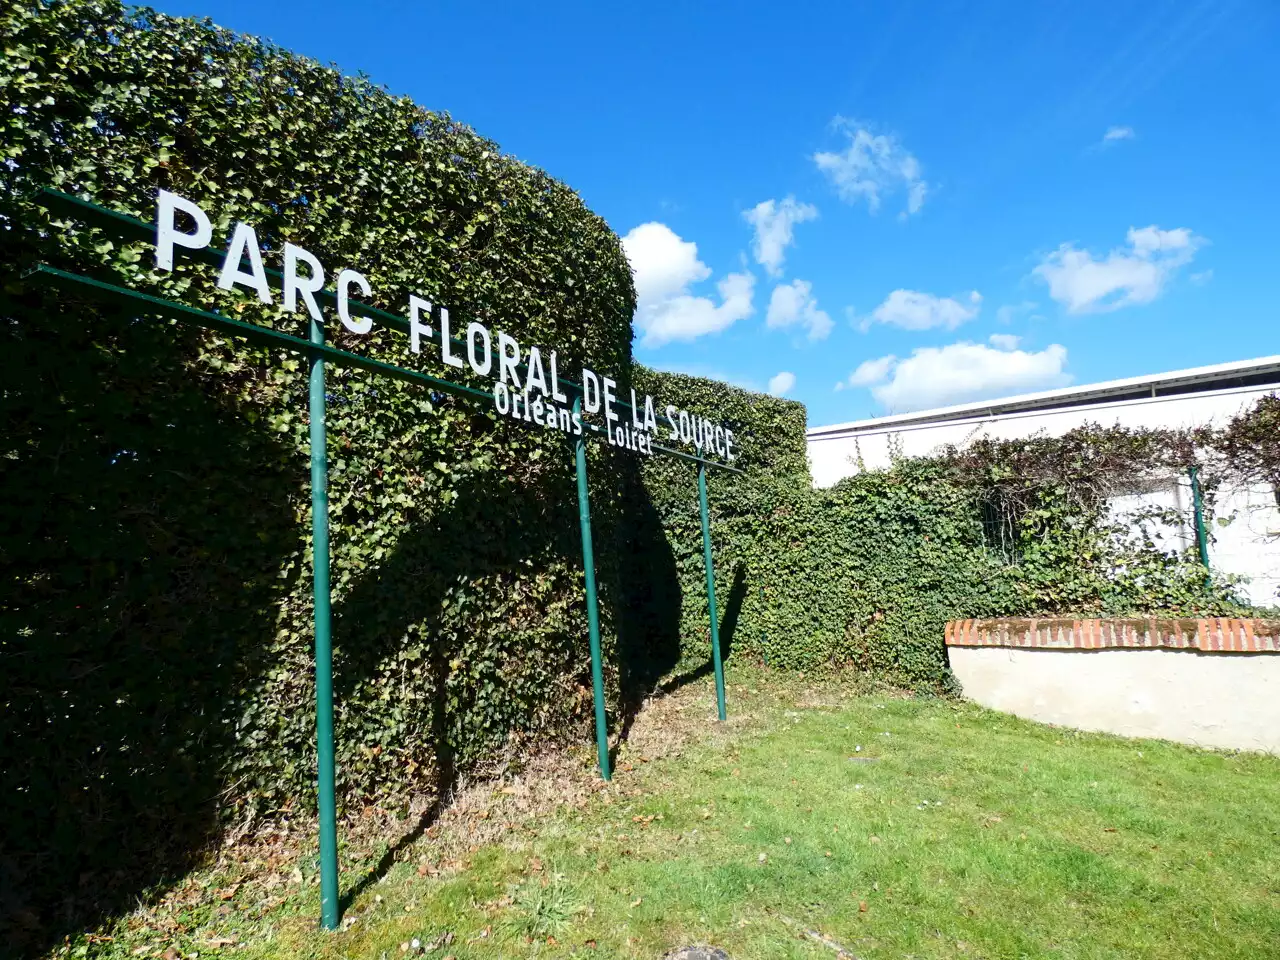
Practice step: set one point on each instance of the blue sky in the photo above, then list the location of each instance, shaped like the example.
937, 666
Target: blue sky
879, 206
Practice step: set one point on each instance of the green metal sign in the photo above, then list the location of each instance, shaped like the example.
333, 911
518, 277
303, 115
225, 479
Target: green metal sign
525, 385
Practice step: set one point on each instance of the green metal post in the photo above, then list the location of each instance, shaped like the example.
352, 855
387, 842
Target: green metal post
711, 588
1202, 537
593, 613
324, 643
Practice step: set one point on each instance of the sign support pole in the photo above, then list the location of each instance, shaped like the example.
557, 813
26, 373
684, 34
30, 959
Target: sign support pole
711, 589
593, 613
1202, 538
324, 643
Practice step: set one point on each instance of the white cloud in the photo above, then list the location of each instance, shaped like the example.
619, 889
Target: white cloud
665, 267
872, 166
1201, 278
872, 371
912, 310
774, 223
664, 264
793, 303
1136, 273
1118, 133
961, 372
1004, 341
782, 382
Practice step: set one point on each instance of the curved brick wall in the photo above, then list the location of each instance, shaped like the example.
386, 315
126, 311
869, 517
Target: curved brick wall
1212, 635
1210, 683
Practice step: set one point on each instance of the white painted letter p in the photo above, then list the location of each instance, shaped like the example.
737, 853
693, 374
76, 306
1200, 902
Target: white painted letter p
169, 236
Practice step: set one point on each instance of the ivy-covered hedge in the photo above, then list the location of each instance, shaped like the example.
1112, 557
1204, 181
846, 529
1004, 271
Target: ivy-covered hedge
155, 599
866, 574
862, 575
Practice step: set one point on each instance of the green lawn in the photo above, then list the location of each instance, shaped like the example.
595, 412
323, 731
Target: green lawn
953, 832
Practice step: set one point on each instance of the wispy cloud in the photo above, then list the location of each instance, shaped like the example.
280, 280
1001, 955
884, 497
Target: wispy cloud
774, 224
1133, 274
873, 166
1115, 134
913, 310
1012, 311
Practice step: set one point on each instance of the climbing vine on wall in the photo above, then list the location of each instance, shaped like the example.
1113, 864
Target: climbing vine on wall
867, 572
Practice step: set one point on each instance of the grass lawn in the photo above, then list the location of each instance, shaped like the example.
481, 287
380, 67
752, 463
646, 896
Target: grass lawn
952, 832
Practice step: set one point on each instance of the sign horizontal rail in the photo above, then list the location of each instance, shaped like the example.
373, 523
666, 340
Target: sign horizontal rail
101, 290
250, 331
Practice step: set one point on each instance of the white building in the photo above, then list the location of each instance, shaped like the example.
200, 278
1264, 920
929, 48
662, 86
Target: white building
1248, 545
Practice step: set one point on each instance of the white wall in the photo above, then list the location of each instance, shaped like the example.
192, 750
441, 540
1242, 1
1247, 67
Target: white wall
1229, 700
1249, 545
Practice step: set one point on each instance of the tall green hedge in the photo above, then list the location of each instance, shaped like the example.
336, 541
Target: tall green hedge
862, 575
155, 608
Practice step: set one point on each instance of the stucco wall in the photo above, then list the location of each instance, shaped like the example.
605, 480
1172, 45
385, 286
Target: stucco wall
1229, 700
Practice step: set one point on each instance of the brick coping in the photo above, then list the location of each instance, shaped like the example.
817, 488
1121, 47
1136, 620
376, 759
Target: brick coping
1209, 635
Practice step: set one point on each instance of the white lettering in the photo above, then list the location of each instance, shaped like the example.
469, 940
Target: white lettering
169, 236
609, 400
508, 359
671, 419
307, 286
477, 330
418, 329
345, 279
635, 411
244, 243
590, 391
557, 394
445, 341
537, 375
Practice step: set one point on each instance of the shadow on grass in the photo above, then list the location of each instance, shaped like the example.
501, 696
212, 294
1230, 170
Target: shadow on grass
728, 627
